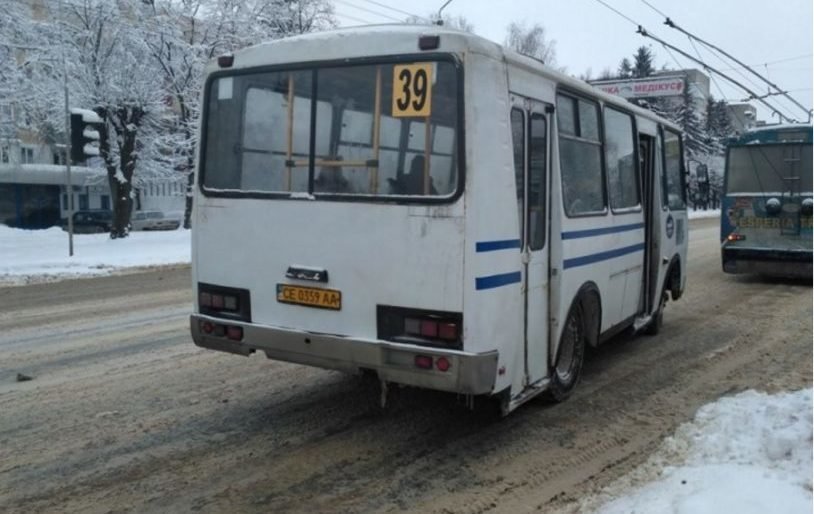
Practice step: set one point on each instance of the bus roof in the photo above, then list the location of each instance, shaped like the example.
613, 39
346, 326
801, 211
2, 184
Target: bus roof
770, 134
394, 39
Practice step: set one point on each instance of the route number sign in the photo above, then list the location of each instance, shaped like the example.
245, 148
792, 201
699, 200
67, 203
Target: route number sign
412, 90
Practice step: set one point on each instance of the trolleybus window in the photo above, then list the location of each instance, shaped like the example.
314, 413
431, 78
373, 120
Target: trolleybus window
580, 156
364, 130
620, 158
769, 168
673, 170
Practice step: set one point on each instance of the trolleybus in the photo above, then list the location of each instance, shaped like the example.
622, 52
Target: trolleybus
767, 202
426, 205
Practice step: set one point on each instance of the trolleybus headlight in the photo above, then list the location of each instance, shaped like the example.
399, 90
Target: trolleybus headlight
773, 206
806, 206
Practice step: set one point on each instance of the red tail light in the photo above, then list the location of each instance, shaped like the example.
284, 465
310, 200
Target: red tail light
205, 300
429, 328
207, 327
234, 333
217, 301
443, 364
448, 331
423, 361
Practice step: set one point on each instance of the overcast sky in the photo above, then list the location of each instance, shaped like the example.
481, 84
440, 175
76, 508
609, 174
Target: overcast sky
773, 36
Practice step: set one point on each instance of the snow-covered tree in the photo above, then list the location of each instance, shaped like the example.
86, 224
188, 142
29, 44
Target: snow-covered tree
183, 35
642, 63
531, 41
625, 69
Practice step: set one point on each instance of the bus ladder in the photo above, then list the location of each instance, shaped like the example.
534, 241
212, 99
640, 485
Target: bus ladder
791, 204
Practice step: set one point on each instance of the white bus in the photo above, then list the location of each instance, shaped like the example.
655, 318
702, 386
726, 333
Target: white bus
426, 205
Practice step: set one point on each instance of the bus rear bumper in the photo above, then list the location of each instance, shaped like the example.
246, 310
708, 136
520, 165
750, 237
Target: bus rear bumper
468, 373
786, 263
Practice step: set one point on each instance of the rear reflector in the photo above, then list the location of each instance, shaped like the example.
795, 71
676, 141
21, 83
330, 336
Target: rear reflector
234, 333
423, 361
443, 364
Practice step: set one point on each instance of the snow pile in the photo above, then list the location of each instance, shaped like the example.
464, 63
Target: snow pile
42, 255
749, 454
711, 213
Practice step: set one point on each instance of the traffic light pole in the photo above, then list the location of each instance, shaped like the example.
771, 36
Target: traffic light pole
68, 185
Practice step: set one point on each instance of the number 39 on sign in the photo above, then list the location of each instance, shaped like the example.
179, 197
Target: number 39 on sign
412, 90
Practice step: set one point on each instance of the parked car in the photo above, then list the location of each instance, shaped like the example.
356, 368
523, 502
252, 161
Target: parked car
89, 222
153, 220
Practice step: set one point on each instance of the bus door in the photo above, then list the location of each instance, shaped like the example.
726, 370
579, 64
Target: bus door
529, 125
650, 194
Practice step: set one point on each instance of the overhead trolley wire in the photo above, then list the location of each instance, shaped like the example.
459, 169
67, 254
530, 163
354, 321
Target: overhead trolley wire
385, 6
641, 30
369, 11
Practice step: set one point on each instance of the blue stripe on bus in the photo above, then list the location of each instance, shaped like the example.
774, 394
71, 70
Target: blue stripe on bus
601, 256
493, 281
491, 246
576, 234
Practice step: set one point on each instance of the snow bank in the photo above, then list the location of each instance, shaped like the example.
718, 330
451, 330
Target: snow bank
712, 213
749, 454
42, 255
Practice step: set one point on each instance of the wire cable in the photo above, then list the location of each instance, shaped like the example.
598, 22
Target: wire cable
369, 11
385, 6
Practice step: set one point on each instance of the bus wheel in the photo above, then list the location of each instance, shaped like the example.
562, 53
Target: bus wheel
654, 327
568, 366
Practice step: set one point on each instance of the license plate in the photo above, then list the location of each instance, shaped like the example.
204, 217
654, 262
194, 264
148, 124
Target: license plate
310, 296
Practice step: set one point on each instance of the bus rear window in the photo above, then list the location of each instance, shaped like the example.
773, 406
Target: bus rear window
368, 130
776, 168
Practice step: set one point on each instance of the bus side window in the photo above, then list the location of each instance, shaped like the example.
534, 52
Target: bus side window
620, 160
519, 151
673, 171
537, 181
580, 156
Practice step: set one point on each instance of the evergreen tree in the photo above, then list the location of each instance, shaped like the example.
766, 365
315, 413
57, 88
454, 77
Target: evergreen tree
643, 63
625, 69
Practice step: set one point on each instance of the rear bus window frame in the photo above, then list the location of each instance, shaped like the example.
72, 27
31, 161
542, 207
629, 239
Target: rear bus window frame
459, 152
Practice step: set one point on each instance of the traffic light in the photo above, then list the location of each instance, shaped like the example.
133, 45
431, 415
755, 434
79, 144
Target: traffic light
84, 134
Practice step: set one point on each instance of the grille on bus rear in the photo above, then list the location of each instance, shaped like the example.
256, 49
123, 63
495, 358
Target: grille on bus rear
420, 327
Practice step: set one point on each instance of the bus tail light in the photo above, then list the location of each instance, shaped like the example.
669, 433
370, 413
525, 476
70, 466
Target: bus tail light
443, 364
422, 327
234, 333
423, 361
224, 302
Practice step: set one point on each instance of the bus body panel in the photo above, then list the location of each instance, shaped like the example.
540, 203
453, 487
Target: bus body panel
359, 245
492, 283
462, 256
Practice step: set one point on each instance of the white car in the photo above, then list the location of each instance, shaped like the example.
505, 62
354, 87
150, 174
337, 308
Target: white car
153, 220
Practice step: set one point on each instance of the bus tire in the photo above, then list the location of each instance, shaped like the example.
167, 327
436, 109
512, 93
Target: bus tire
567, 369
654, 326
